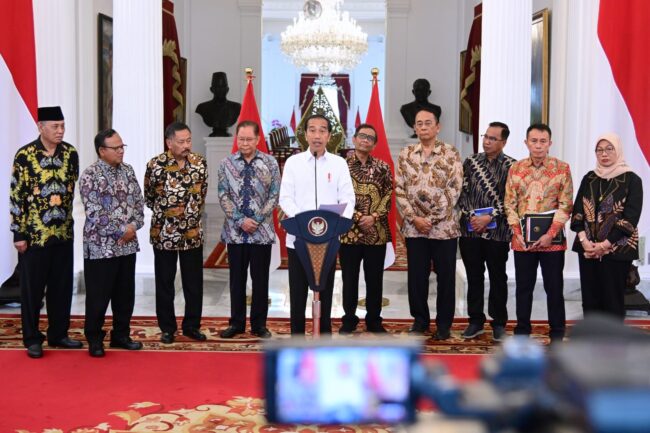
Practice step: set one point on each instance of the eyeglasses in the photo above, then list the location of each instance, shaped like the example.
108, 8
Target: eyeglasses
370, 138
247, 139
608, 149
490, 138
421, 124
121, 148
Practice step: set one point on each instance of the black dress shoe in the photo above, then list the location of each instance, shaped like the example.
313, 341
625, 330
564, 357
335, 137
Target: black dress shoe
347, 329
96, 349
194, 334
262, 332
66, 343
416, 330
442, 334
377, 329
230, 332
126, 343
167, 337
35, 351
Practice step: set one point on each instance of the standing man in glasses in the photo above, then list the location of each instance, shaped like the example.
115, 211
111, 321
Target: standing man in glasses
114, 209
427, 186
485, 233
366, 240
249, 186
42, 190
175, 186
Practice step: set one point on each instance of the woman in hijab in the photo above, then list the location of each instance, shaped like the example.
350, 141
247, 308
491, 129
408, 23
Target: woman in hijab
605, 217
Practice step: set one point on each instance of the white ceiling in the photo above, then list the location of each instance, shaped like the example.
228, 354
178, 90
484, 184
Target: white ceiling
360, 10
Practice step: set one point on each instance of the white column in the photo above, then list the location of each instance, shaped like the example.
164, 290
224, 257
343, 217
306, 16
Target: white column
57, 75
138, 93
397, 31
506, 69
250, 39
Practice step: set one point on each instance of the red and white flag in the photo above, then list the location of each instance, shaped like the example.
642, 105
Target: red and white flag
18, 106
621, 88
357, 120
292, 122
382, 151
250, 112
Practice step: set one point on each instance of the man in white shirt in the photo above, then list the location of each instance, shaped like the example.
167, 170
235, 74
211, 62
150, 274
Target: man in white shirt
297, 194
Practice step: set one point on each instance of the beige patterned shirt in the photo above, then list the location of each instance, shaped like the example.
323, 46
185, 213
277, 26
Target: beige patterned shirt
429, 187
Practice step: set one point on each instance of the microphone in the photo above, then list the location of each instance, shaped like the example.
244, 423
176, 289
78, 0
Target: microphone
315, 180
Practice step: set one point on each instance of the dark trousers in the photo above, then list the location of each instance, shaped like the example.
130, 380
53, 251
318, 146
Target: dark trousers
552, 264
602, 284
240, 256
298, 289
49, 266
477, 253
350, 257
109, 280
192, 279
420, 252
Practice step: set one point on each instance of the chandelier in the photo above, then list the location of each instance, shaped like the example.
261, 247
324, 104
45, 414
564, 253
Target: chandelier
324, 39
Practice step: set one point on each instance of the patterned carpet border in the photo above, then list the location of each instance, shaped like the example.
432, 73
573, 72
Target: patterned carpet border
145, 329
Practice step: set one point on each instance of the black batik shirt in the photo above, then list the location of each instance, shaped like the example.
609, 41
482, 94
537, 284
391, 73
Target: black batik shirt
484, 184
41, 195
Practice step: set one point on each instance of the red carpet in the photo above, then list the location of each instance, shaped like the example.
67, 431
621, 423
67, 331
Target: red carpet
69, 392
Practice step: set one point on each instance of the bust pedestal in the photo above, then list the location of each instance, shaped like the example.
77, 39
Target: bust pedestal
216, 149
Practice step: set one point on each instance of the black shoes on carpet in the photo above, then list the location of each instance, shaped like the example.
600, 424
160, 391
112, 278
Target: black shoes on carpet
167, 338
231, 331
126, 343
194, 334
35, 351
377, 329
66, 343
96, 349
262, 332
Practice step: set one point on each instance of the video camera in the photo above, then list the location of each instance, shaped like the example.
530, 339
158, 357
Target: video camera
597, 382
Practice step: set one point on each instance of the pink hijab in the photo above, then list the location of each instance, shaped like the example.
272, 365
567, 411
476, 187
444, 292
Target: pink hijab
620, 166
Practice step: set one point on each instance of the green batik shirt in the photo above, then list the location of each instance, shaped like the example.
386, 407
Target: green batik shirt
41, 195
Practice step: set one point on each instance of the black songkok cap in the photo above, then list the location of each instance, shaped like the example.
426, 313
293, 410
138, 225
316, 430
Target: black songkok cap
49, 113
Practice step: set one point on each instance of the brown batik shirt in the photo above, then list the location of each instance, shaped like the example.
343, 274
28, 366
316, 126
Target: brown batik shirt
176, 196
373, 187
429, 187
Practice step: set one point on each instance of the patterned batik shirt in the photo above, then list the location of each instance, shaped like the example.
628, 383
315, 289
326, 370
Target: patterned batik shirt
112, 200
429, 188
373, 187
484, 185
41, 195
248, 190
531, 189
176, 196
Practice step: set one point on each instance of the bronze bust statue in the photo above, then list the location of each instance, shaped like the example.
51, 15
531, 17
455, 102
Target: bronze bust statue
219, 113
421, 91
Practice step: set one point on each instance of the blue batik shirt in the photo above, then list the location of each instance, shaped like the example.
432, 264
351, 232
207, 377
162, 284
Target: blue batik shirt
248, 190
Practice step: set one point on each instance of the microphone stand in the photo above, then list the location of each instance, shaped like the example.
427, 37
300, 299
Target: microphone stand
315, 305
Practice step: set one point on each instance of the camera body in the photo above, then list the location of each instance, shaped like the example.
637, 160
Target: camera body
340, 382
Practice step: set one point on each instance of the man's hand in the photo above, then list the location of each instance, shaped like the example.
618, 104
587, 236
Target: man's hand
519, 241
544, 241
21, 246
249, 225
480, 222
366, 222
128, 236
422, 224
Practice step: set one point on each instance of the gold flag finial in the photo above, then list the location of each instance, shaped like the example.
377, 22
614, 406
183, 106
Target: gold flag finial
249, 74
375, 73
